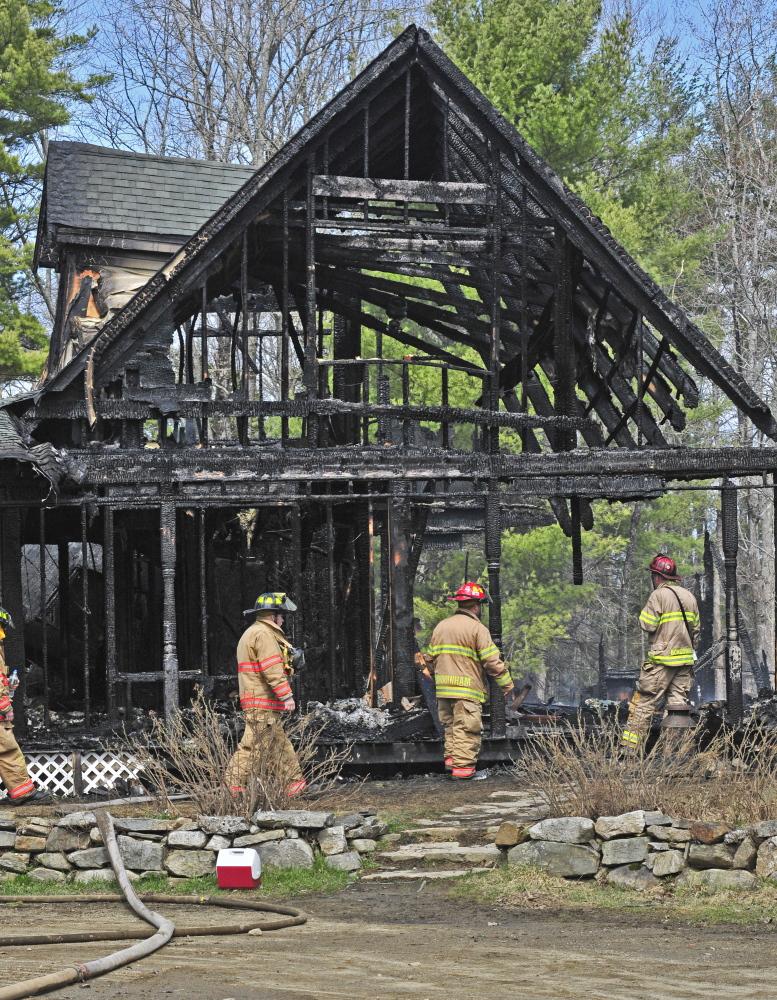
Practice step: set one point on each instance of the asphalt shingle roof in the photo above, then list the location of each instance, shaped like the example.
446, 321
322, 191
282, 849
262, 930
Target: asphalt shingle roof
91, 187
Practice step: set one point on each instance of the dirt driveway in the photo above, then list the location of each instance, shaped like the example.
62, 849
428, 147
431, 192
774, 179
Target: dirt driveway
388, 942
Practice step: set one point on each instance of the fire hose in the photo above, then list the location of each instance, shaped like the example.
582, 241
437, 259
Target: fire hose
165, 929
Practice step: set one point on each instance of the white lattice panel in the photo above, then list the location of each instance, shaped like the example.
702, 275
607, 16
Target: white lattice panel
104, 768
54, 771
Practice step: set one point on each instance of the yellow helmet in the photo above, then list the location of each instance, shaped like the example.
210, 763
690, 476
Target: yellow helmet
276, 601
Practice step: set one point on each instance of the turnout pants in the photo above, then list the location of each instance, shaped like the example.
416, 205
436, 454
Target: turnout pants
655, 682
264, 750
462, 721
13, 769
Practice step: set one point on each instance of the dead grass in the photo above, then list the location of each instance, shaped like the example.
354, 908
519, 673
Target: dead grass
189, 753
734, 778
526, 887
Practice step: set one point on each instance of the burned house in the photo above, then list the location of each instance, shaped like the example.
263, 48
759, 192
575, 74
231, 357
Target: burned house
401, 327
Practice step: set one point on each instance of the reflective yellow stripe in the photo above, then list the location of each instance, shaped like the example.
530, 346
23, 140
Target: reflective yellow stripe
463, 650
630, 737
673, 658
648, 619
457, 692
504, 681
676, 616
456, 686
488, 651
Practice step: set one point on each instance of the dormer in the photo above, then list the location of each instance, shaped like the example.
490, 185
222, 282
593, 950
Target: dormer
109, 219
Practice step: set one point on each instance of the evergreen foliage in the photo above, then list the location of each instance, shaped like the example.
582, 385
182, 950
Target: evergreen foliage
614, 120
37, 87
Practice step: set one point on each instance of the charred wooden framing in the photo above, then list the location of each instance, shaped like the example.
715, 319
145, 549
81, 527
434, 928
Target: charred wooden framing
452, 334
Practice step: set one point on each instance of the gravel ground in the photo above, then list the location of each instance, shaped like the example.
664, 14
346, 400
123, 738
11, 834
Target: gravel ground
387, 942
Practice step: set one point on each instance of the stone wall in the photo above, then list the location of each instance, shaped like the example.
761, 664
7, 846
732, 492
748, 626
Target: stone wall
71, 848
639, 849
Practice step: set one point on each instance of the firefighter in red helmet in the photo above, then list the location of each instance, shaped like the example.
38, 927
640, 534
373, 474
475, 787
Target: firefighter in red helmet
671, 616
463, 655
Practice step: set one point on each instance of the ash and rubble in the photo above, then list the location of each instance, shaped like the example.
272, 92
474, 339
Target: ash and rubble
350, 720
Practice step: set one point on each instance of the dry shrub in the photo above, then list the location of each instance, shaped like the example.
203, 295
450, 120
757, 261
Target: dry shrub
733, 778
189, 752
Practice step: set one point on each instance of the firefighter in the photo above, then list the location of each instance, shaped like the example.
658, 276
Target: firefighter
671, 616
13, 769
462, 654
264, 662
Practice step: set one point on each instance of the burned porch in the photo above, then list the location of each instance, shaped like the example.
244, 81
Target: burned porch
401, 328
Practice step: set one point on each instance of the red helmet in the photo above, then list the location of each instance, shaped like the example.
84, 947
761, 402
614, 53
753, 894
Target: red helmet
469, 592
665, 567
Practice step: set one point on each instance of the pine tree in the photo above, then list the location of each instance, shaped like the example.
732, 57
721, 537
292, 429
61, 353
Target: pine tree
613, 120
37, 88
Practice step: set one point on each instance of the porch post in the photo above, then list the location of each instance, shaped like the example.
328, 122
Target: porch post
169, 623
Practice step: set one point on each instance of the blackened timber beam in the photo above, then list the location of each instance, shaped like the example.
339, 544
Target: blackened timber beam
382, 189
302, 465
622, 344
531, 444
401, 587
495, 299
733, 648
655, 385
493, 545
167, 518
540, 400
375, 259
63, 592
537, 343
594, 386
202, 567
564, 359
589, 488
628, 398
109, 589
594, 286
471, 331
455, 297
85, 614
11, 599
672, 370
373, 323
580, 226
444, 275
408, 242
44, 616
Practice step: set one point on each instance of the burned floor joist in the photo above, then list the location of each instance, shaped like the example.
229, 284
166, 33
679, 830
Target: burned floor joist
400, 330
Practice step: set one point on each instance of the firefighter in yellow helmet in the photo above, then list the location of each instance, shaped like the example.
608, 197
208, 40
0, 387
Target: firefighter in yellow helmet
671, 616
463, 656
264, 661
13, 768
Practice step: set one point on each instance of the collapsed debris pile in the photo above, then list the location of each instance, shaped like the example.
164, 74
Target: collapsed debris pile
763, 710
352, 720
71, 849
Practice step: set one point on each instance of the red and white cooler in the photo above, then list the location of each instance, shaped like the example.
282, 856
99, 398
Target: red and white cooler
239, 868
